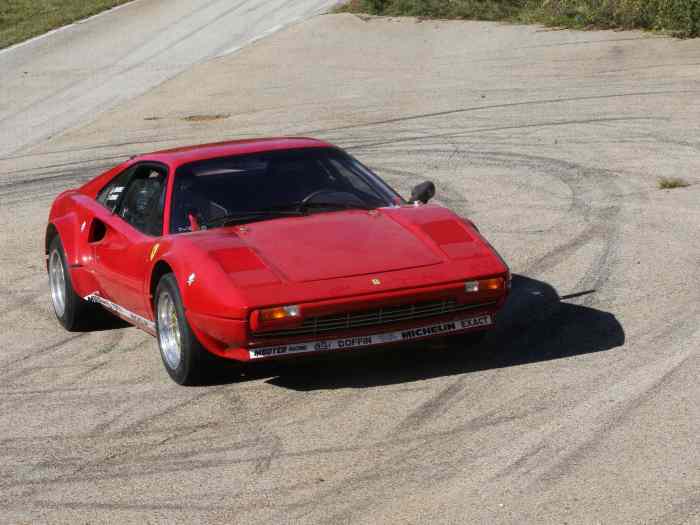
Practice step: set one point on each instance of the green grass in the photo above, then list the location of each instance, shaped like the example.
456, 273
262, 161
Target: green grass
460, 9
678, 17
666, 183
24, 19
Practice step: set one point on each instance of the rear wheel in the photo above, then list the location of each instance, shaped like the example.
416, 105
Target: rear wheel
183, 355
71, 310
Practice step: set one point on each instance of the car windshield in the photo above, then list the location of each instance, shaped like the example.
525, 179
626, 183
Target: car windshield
270, 185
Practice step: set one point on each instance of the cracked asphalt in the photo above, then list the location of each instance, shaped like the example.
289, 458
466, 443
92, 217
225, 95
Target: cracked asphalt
583, 405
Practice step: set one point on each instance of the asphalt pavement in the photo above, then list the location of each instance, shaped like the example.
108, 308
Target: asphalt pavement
583, 405
67, 78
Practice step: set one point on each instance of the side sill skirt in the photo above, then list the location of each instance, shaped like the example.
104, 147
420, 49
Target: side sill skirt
129, 316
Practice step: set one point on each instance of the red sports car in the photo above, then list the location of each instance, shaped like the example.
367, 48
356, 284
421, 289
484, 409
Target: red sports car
258, 249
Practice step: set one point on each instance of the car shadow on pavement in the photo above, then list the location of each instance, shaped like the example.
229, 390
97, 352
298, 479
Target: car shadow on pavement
534, 326
97, 319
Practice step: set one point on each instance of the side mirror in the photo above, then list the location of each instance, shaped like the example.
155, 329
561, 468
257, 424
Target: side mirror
423, 192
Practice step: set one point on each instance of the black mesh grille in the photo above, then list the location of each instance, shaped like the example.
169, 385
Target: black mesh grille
377, 317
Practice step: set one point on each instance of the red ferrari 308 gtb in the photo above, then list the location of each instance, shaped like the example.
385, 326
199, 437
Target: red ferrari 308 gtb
259, 249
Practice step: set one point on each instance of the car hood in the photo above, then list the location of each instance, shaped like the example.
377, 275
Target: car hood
330, 255
341, 244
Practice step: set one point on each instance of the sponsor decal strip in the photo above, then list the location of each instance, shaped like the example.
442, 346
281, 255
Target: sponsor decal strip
122, 312
374, 339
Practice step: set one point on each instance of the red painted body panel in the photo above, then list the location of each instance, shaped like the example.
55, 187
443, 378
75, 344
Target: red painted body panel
304, 249
327, 263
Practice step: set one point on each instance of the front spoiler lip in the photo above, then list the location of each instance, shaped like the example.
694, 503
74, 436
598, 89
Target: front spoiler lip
246, 354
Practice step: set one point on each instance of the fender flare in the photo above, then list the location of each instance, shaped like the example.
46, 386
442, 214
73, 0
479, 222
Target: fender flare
65, 227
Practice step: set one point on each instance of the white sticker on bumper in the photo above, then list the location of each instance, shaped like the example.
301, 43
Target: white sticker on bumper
374, 339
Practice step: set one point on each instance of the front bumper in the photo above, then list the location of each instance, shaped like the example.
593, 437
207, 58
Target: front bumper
232, 339
379, 336
448, 327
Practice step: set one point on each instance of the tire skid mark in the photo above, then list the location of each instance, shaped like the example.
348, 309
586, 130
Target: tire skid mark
103, 428
75, 439
84, 148
61, 390
592, 420
567, 462
91, 369
451, 197
131, 462
78, 466
130, 451
34, 353
139, 424
601, 226
399, 463
209, 508
393, 465
682, 513
63, 179
602, 223
275, 447
532, 125
499, 106
182, 462
549, 166
45, 173
26, 300
432, 407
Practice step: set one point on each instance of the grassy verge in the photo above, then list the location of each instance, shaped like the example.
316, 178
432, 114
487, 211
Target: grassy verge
678, 17
23, 19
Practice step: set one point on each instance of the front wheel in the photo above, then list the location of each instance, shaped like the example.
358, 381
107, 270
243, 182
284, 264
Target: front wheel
182, 354
71, 310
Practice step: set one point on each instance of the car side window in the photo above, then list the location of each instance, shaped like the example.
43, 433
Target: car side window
110, 194
143, 202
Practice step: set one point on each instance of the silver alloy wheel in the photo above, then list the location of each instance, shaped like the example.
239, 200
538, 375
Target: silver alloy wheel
57, 282
169, 331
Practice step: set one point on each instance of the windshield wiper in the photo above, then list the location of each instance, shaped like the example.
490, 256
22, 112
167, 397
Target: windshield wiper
300, 207
248, 216
261, 215
342, 206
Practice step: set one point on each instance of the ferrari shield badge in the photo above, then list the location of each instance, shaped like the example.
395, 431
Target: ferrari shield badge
376, 282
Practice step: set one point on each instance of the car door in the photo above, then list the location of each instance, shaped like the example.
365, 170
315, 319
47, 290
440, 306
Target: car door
122, 249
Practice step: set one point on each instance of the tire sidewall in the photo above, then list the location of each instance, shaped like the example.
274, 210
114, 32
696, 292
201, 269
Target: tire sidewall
187, 370
69, 317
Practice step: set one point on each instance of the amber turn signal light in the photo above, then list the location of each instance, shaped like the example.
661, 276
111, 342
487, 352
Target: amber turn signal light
276, 318
494, 284
280, 312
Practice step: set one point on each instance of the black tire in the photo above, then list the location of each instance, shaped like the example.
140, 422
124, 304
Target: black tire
76, 310
194, 359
